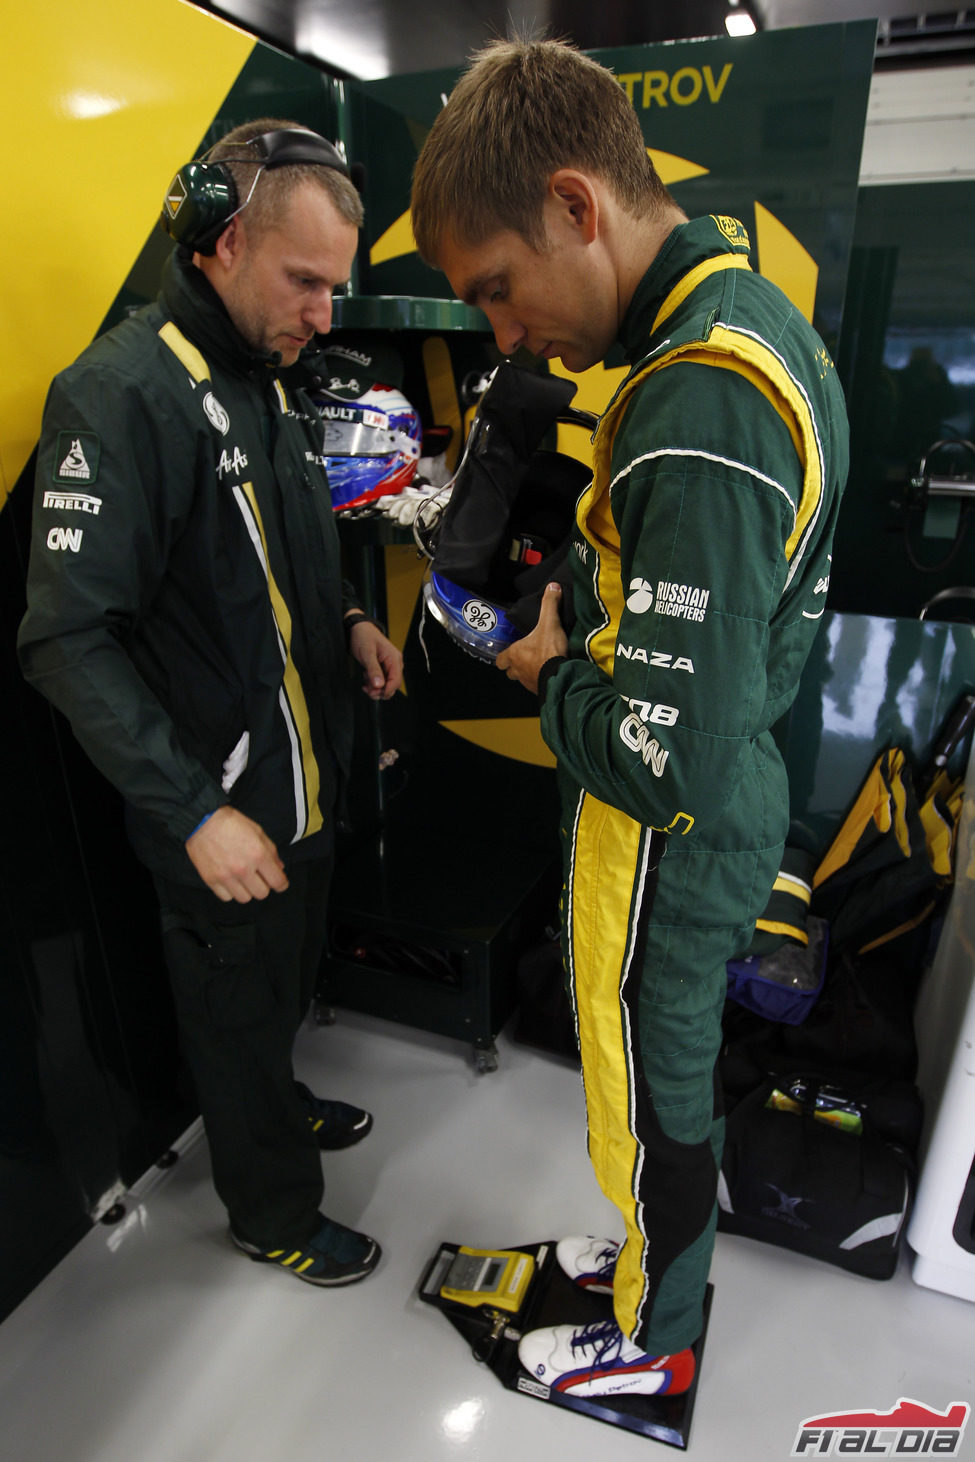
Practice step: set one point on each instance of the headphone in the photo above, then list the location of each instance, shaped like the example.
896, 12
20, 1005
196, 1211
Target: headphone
202, 198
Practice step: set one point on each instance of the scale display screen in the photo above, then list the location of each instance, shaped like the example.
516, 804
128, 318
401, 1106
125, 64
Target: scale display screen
495, 1277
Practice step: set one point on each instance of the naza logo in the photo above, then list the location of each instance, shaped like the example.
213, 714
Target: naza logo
909, 1429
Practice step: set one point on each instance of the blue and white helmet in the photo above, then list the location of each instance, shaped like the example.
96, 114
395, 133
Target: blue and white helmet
505, 529
478, 625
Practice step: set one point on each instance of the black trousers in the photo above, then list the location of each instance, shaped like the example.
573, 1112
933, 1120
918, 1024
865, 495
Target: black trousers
243, 976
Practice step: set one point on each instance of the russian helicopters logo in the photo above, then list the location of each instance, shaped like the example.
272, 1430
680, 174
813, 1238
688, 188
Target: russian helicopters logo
909, 1429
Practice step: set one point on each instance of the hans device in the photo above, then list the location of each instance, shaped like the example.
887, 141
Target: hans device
202, 198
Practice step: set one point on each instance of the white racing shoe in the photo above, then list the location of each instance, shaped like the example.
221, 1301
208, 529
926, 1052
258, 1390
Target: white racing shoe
589, 1262
598, 1360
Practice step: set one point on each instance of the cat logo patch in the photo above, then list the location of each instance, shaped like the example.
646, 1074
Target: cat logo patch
76, 458
734, 232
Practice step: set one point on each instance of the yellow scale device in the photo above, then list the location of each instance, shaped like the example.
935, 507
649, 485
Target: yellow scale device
484, 1290
496, 1279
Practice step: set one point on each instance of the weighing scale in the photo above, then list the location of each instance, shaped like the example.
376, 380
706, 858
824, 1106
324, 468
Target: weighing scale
493, 1296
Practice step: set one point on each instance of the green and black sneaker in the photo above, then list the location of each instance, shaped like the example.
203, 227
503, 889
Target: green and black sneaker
335, 1255
335, 1124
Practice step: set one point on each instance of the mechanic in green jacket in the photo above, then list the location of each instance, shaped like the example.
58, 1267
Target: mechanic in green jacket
700, 567
186, 612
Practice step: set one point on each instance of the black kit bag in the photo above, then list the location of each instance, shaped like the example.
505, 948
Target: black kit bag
880, 888
822, 1164
864, 1018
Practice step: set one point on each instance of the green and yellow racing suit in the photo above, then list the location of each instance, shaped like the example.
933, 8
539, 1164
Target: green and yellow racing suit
700, 571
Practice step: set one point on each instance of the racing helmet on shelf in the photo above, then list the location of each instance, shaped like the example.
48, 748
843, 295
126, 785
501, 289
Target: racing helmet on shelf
372, 433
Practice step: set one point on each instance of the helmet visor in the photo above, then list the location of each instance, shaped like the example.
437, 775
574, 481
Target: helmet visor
359, 432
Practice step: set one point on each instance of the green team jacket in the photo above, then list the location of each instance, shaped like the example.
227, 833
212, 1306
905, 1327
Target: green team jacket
700, 570
185, 597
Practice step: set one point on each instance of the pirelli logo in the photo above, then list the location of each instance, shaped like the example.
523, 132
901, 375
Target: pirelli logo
73, 502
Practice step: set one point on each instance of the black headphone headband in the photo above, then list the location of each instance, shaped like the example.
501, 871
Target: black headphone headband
292, 145
203, 198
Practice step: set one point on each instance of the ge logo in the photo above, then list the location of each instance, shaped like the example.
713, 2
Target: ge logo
216, 413
479, 616
640, 596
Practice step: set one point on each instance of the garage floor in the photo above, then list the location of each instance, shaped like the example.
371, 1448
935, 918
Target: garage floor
155, 1340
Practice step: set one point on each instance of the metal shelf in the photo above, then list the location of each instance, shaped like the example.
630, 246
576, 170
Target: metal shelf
404, 312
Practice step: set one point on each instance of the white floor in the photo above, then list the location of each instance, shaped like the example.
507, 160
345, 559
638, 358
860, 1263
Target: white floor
155, 1341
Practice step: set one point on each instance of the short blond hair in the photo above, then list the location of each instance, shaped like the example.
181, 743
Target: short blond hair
276, 185
522, 110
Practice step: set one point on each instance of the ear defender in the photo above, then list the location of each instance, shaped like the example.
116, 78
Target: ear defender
202, 198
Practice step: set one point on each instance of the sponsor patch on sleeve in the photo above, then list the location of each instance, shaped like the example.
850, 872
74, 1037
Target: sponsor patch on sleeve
76, 459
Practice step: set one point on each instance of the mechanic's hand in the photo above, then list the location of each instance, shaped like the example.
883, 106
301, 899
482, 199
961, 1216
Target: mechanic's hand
524, 659
235, 857
382, 663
